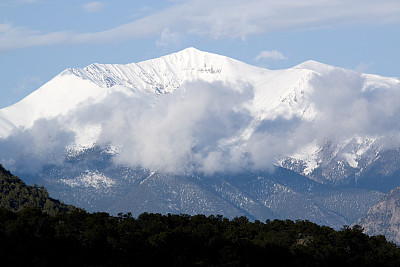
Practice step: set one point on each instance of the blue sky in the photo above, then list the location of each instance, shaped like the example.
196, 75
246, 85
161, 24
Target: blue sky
41, 38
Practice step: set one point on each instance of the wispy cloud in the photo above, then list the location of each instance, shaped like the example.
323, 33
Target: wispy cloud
27, 1
167, 38
273, 54
225, 19
92, 7
26, 84
363, 67
14, 37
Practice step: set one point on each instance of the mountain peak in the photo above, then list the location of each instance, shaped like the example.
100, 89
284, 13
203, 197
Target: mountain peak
167, 73
192, 51
190, 56
275, 91
315, 66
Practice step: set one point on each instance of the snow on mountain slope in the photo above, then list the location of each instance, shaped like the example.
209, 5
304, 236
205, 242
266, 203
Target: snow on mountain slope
293, 109
198, 132
167, 73
74, 87
57, 97
277, 92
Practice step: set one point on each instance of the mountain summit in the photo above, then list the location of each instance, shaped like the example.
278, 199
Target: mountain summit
157, 76
195, 132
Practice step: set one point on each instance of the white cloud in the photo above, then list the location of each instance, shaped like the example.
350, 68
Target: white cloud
363, 67
14, 3
225, 19
27, 150
92, 7
12, 37
274, 54
27, 84
168, 38
178, 132
346, 107
201, 127
28, 1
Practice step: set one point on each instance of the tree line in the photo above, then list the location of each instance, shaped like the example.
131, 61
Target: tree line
32, 235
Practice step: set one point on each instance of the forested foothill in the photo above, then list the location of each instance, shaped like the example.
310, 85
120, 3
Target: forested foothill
31, 234
16, 195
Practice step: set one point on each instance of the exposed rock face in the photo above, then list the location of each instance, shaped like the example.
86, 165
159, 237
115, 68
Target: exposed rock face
384, 217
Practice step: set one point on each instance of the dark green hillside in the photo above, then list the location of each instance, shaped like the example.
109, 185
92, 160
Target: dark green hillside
33, 238
36, 230
15, 195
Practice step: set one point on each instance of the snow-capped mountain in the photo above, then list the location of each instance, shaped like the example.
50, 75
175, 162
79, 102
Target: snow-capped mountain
196, 132
158, 76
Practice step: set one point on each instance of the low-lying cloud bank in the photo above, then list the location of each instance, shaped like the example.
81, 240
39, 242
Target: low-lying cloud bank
204, 126
183, 131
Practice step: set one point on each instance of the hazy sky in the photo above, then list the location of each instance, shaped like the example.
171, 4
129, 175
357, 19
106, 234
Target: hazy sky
41, 38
